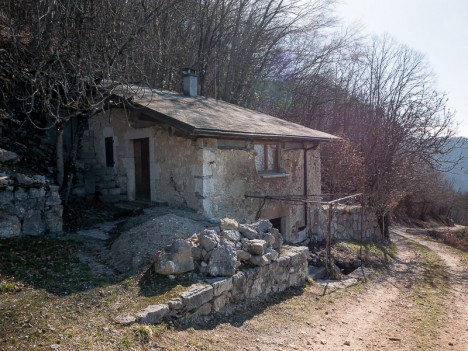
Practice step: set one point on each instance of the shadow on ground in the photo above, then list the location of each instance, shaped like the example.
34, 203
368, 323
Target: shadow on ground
46, 263
242, 313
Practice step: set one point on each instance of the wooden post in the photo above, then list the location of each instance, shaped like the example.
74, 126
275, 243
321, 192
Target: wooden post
328, 259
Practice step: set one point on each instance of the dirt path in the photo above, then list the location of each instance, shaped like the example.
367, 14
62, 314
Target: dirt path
420, 303
454, 324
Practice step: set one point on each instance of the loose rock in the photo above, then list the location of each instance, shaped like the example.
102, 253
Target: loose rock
223, 261
175, 259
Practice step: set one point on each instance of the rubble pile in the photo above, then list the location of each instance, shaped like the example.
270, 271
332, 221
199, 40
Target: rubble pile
222, 251
236, 263
224, 294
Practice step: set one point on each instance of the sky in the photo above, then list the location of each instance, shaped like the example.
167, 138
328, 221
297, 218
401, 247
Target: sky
436, 28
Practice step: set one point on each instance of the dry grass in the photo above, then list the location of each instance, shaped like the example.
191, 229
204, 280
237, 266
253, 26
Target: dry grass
50, 299
428, 297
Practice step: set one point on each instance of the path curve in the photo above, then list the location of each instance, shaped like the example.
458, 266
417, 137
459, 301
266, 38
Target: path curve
387, 313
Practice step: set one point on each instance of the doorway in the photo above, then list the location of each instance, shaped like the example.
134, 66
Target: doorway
278, 224
142, 169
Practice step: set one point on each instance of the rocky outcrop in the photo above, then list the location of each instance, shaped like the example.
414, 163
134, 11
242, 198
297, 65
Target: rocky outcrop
29, 205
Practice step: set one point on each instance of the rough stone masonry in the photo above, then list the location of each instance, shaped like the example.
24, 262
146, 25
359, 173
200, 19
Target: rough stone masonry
29, 205
240, 263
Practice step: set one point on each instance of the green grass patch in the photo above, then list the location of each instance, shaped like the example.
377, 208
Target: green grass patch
371, 254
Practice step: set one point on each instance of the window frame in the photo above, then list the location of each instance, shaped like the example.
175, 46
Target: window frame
276, 170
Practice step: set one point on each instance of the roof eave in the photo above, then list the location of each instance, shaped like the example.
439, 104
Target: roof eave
258, 136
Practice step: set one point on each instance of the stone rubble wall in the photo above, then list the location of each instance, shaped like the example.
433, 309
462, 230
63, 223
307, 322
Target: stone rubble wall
346, 224
236, 264
224, 294
222, 252
29, 205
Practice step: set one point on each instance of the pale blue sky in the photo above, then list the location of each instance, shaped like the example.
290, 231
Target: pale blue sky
436, 28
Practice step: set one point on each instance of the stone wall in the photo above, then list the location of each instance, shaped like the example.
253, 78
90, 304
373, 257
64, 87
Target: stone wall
29, 205
231, 167
223, 294
209, 175
346, 223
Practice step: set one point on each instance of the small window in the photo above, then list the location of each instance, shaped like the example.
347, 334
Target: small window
109, 145
267, 158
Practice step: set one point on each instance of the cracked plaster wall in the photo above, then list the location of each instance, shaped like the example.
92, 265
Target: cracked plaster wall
209, 175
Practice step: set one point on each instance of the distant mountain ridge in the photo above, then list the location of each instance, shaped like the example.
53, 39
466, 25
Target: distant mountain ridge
459, 175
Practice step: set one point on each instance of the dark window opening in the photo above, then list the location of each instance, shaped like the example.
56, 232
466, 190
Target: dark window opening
109, 145
267, 158
277, 223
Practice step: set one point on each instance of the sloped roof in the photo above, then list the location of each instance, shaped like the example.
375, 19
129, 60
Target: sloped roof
201, 116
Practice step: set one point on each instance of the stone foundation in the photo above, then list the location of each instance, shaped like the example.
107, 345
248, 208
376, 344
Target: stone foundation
224, 294
29, 205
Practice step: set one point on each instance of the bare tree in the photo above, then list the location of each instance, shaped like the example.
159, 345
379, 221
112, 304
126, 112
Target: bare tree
62, 60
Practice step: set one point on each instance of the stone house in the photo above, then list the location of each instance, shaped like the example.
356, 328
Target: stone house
204, 154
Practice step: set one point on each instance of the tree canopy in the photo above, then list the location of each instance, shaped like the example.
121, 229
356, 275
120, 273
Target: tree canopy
60, 62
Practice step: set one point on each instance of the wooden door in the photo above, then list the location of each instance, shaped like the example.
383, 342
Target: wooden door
142, 169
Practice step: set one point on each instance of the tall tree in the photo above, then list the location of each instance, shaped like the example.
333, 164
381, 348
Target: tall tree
62, 60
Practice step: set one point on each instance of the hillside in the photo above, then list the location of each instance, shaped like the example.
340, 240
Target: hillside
459, 175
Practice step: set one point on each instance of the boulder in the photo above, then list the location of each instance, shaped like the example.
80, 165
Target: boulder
220, 302
228, 224
220, 285
24, 179
197, 253
231, 235
278, 238
248, 231
10, 225
175, 258
223, 261
259, 260
208, 239
196, 296
33, 223
8, 156
262, 225
153, 314
269, 239
175, 304
243, 255
271, 255
255, 246
39, 179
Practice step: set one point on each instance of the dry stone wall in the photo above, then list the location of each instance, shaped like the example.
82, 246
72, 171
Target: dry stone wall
223, 294
222, 252
239, 263
29, 205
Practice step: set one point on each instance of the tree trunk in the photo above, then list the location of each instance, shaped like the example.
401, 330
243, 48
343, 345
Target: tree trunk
77, 135
59, 156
